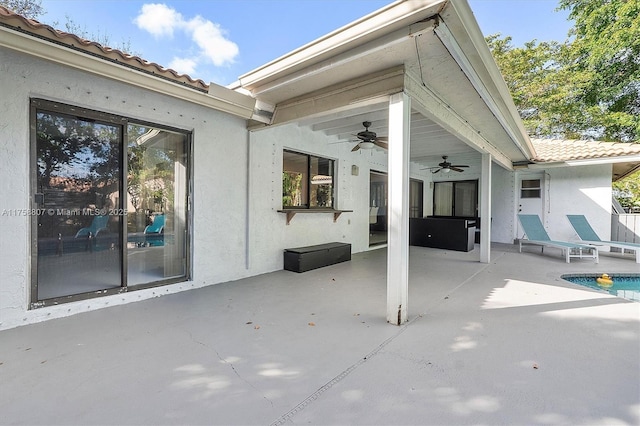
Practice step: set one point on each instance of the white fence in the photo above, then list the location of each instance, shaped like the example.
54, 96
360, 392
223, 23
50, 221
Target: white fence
625, 227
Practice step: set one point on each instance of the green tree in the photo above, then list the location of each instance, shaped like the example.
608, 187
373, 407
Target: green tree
606, 47
627, 191
543, 88
588, 86
27, 8
100, 37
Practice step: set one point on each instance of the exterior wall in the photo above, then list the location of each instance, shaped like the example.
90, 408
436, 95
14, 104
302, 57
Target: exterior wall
568, 190
237, 180
502, 196
220, 177
579, 190
503, 204
571, 190
269, 234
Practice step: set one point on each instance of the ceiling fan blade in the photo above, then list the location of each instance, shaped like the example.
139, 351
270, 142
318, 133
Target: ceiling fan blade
383, 139
458, 165
454, 168
436, 171
381, 144
355, 148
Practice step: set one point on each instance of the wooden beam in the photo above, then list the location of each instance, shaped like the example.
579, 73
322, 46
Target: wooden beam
372, 88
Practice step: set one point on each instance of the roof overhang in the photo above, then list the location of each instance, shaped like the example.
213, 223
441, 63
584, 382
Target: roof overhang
553, 153
431, 49
35, 44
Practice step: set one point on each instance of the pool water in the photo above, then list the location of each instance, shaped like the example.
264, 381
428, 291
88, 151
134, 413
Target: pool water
624, 285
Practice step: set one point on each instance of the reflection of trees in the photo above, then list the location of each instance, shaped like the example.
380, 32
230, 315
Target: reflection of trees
150, 174
78, 166
135, 165
323, 195
76, 149
291, 189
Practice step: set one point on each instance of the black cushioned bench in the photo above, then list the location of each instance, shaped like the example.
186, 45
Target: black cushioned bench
304, 259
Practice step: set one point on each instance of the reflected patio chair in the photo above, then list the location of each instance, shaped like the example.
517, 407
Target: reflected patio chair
537, 235
98, 224
154, 233
588, 236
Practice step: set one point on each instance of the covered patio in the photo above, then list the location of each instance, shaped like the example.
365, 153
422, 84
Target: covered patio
508, 342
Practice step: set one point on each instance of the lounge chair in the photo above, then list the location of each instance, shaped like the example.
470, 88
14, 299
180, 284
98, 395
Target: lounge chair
589, 236
154, 233
157, 226
98, 224
537, 235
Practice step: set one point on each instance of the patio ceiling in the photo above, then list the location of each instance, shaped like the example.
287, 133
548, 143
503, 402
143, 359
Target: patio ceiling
432, 50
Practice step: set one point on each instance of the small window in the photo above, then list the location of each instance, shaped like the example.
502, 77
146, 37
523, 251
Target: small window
530, 188
307, 181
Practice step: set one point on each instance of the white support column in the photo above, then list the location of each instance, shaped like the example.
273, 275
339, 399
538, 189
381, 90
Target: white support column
485, 209
398, 209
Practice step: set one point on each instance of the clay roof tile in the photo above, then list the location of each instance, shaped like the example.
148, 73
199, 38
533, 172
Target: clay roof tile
13, 20
555, 150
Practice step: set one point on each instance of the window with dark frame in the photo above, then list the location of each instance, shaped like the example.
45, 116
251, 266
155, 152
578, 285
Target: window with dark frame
530, 188
455, 198
307, 181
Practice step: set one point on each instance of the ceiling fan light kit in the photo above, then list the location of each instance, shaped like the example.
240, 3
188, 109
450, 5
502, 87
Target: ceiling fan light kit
367, 145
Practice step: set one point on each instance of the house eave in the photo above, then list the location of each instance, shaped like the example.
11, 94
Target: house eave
373, 26
478, 64
217, 97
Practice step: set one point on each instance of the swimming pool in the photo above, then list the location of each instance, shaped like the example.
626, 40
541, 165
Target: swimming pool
624, 285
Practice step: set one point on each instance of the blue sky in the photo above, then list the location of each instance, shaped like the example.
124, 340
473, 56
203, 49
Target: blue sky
219, 40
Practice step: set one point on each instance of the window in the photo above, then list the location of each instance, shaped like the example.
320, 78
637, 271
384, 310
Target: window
307, 181
110, 197
530, 188
456, 198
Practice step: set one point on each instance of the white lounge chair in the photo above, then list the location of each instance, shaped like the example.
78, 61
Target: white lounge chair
589, 236
537, 235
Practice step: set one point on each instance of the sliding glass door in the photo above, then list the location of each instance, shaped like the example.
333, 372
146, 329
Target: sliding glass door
98, 230
78, 188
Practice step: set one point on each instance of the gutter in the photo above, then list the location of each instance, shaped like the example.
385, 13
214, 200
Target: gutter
371, 27
218, 97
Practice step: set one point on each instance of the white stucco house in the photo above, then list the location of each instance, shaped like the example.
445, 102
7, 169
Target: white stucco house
122, 180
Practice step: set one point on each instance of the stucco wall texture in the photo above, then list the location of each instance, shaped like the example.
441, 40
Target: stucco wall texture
237, 230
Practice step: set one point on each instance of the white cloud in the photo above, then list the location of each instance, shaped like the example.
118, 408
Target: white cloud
184, 65
162, 20
212, 42
159, 19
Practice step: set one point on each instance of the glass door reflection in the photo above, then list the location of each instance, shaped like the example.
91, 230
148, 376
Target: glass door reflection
157, 205
77, 194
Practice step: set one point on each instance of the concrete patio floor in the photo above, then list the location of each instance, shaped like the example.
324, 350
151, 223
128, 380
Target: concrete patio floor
502, 343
